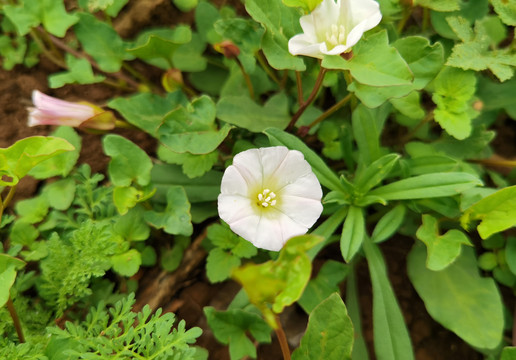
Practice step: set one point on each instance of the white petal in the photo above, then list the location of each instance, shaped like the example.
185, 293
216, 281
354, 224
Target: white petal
307, 24
272, 232
301, 45
61, 109
272, 158
249, 166
357, 32
324, 15
293, 167
306, 187
337, 50
233, 208
367, 11
233, 183
303, 211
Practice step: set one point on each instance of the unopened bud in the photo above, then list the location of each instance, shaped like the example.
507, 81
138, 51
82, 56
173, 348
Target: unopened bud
227, 48
172, 80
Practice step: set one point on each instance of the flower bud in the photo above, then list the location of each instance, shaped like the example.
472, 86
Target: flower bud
227, 48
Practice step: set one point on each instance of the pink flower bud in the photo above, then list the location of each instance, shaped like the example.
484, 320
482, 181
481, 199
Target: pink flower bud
48, 110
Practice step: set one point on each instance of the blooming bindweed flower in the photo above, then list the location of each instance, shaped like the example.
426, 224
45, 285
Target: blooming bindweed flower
48, 110
269, 195
332, 28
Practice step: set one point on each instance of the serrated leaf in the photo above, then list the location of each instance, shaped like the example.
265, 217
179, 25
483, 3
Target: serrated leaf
329, 334
496, 212
129, 163
442, 249
446, 292
102, 42
61, 164
245, 113
454, 90
281, 23
506, 9
146, 110
374, 62
474, 53
193, 129
176, 218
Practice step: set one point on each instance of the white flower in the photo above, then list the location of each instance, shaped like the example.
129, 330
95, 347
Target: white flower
269, 195
334, 27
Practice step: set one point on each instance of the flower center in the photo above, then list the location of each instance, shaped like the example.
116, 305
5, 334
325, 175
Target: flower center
336, 36
266, 198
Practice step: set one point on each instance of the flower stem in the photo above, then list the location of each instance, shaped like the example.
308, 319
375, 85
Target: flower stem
282, 338
16, 320
4, 203
246, 78
308, 101
429, 117
331, 110
299, 83
266, 67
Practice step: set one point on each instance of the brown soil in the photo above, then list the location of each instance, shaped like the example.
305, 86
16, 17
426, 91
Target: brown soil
192, 291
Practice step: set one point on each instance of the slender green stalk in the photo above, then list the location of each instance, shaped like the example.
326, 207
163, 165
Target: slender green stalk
311, 97
266, 67
299, 84
429, 117
331, 110
16, 320
246, 78
282, 338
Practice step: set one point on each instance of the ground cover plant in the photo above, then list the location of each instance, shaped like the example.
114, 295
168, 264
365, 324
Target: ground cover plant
276, 179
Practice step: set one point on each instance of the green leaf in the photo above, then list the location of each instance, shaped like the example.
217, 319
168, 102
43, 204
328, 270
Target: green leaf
331, 274
18, 159
146, 110
61, 164
427, 186
424, 60
8, 267
410, 105
506, 10
193, 129
459, 298
454, 90
307, 5
220, 264
496, 212
508, 353
442, 249
475, 53
234, 327
129, 163
367, 128
391, 340
30, 13
23, 233
374, 62
132, 226
389, 224
157, 46
280, 282
245, 113
373, 174
189, 57
281, 23
325, 175
79, 71
329, 334
470, 10
222, 237
439, 5
176, 218
60, 194
353, 233
32, 210
193, 165
128, 263
102, 42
